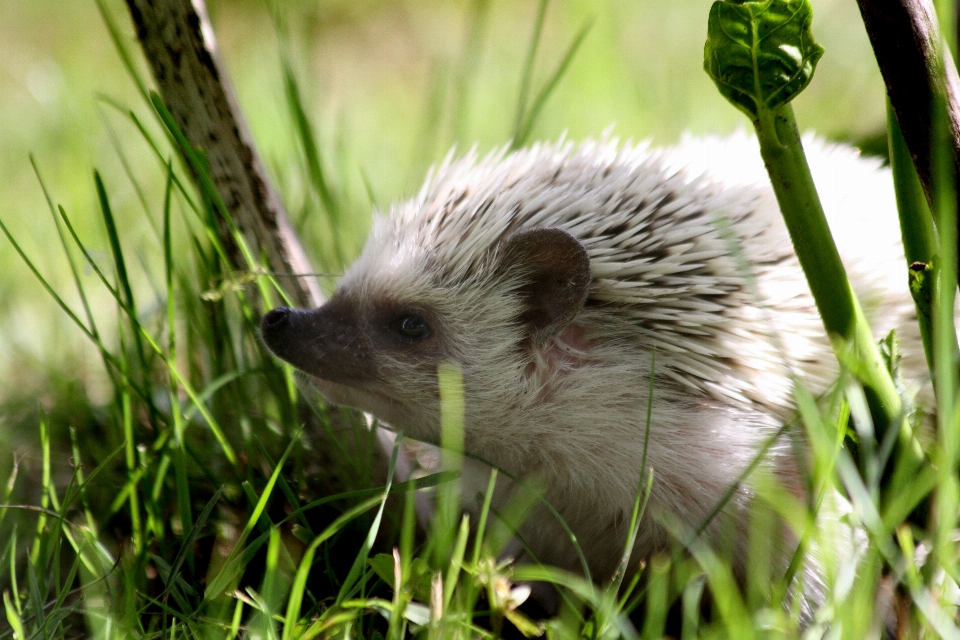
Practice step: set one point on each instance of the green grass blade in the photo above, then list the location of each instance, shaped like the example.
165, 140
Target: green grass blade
484, 514
49, 491
8, 488
154, 146
425, 482
920, 243
469, 62
64, 593
63, 242
528, 488
186, 549
727, 597
599, 600
262, 624
209, 391
287, 490
179, 455
228, 572
14, 586
112, 364
313, 158
46, 285
171, 365
360, 563
306, 563
540, 101
133, 471
456, 561
35, 595
265, 524
195, 160
122, 274
118, 42
947, 453
13, 618
528, 63
127, 168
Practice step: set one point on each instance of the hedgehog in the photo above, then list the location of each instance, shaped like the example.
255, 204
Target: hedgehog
559, 278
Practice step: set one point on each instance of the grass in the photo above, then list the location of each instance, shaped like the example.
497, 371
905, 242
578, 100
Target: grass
170, 479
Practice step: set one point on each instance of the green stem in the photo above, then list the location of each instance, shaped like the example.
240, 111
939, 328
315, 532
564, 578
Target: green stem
945, 332
843, 319
917, 231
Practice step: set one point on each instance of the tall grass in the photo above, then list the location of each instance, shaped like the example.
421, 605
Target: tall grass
198, 501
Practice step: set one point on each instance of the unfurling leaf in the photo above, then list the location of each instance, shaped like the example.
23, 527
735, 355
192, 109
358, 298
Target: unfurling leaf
760, 54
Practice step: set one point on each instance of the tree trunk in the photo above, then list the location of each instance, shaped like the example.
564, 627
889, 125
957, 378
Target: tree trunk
907, 43
180, 47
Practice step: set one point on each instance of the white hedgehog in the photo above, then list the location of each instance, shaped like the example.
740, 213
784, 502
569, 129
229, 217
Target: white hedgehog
550, 275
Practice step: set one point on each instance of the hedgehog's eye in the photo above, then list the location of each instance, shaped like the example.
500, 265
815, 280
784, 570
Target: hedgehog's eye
411, 326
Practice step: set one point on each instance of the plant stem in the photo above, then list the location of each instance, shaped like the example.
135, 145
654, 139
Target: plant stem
916, 228
842, 317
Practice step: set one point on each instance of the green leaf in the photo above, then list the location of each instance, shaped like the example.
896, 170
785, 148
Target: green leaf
13, 618
760, 54
382, 565
524, 625
922, 278
419, 571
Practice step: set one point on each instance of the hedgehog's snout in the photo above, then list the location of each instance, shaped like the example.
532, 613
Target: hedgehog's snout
276, 318
275, 330
328, 342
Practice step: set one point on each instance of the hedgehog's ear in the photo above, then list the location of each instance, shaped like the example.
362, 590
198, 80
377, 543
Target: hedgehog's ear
554, 269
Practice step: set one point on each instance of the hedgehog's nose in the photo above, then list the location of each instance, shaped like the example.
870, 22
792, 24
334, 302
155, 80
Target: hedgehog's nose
276, 318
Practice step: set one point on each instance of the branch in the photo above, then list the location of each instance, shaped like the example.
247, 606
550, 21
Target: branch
906, 41
180, 47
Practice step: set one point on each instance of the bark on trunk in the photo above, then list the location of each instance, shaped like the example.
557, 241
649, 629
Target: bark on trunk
181, 50
906, 41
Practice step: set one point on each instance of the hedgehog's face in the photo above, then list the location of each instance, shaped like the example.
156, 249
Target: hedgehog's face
377, 343
377, 355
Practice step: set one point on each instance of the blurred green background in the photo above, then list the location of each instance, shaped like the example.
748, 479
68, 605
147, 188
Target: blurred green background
376, 73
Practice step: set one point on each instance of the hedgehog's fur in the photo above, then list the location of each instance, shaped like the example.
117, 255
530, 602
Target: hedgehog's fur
689, 259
